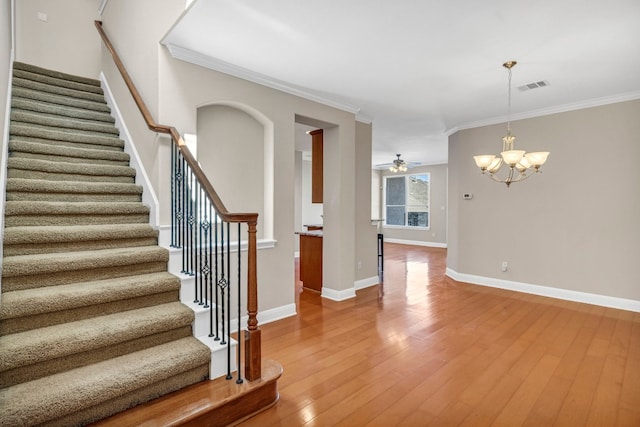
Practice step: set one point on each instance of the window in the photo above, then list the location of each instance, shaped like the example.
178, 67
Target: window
407, 200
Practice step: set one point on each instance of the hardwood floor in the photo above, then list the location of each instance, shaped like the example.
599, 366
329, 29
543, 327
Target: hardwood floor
431, 351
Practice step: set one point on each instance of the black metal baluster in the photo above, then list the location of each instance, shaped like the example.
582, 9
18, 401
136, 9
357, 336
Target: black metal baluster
229, 376
239, 334
191, 221
222, 285
183, 229
173, 194
198, 243
207, 250
216, 278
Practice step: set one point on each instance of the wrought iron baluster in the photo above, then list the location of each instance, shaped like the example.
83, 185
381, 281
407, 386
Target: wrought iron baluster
216, 278
229, 376
206, 244
183, 228
239, 333
191, 222
173, 195
222, 284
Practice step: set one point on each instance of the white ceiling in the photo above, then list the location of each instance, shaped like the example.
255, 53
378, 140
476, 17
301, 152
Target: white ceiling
421, 69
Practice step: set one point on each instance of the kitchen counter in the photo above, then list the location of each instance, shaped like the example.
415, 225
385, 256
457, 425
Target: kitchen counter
312, 233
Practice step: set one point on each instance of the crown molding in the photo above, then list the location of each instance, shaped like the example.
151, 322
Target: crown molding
103, 4
597, 102
215, 64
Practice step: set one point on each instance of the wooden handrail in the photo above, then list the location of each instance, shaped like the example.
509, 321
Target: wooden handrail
252, 340
152, 125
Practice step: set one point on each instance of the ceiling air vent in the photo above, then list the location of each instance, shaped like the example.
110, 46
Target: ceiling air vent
534, 85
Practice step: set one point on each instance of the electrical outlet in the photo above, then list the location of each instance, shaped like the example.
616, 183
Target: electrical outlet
504, 266
42, 16
359, 265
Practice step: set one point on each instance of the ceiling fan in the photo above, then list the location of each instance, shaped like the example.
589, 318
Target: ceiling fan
398, 165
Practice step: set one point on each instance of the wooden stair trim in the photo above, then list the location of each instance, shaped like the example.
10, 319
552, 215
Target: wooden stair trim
218, 402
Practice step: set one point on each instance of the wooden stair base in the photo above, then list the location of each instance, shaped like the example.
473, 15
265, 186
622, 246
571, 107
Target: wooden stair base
219, 402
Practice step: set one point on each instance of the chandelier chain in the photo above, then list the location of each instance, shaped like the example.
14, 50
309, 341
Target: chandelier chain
509, 104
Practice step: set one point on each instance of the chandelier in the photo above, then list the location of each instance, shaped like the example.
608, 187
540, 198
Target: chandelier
519, 164
399, 165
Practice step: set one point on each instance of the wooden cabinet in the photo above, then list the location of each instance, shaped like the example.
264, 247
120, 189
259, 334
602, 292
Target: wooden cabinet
316, 166
311, 261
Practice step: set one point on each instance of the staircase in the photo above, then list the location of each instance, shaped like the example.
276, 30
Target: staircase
90, 319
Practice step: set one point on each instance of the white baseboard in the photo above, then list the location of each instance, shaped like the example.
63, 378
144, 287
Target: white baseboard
365, 283
264, 317
547, 291
277, 313
334, 295
416, 243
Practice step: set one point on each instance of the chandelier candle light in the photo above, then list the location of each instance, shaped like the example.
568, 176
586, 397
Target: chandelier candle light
521, 164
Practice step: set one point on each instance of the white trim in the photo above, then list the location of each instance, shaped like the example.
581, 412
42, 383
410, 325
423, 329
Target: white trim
267, 316
103, 4
416, 243
274, 314
5, 149
547, 291
366, 283
264, 317
164, 240
148, 194
546, 111
334, 295
212, 63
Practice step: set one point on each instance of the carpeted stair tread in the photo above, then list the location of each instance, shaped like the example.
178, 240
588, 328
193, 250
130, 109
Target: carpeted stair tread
45, 149
74, 295
59, 100
58, 134
55, 234
58, 81
54, 342
40, 189
57, 121
38, 401
59, 171
56, 74
34, 213
25, 265
28, 240
37, 106
57, 90
62, 208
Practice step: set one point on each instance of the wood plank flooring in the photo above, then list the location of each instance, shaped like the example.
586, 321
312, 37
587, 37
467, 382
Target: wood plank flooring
424, 350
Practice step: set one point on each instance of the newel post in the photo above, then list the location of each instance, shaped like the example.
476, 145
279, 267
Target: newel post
252, 344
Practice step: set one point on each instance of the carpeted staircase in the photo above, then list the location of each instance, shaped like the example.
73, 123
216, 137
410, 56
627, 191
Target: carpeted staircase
90, 319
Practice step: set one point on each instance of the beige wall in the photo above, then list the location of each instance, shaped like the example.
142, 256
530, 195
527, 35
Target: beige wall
575, 226
66, 42
436, 235
135, 34
366, 235
231, 153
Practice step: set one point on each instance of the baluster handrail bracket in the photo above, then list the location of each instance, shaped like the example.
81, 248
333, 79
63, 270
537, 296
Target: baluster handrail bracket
196, 191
